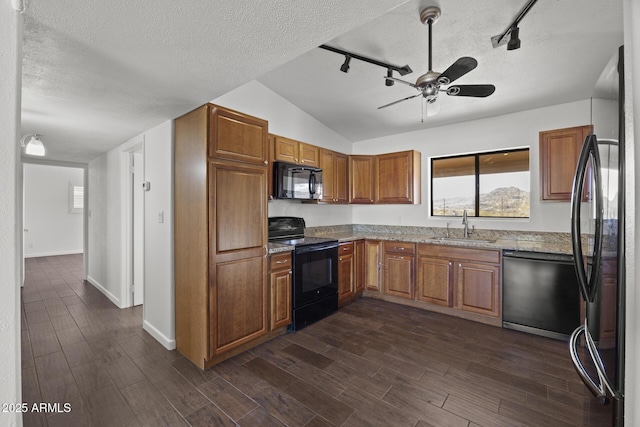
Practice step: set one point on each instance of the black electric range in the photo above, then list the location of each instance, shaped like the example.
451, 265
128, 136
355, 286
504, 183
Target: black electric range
315, 270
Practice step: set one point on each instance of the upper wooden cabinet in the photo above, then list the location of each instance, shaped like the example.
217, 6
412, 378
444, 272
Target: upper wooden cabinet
398, 177
237, 136
335, 182
292, 151
361, 179
559, 152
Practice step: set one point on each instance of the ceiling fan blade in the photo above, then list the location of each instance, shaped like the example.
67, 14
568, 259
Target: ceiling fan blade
478, 91
458, 69
398, 101
401, 81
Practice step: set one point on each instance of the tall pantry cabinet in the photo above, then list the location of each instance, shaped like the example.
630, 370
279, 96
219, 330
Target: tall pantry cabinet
220, 234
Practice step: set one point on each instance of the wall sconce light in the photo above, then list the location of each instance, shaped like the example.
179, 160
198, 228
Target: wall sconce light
345, 66
514, 41
34, 147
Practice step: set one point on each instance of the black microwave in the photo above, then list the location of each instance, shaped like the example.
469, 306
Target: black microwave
291, 181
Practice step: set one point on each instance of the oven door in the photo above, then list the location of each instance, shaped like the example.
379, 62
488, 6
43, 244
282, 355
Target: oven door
315, 273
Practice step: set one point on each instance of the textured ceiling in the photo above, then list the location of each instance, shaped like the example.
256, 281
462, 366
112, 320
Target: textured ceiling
566, 45
96, 73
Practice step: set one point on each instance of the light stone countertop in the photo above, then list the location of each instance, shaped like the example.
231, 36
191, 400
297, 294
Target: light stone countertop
556, 243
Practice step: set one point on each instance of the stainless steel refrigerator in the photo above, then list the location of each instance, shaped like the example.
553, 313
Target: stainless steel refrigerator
597, 231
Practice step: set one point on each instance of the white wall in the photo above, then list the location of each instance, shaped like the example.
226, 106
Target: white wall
632, 223
108, 233
513, 130
288, 120
159, 313
53, 230
10, 204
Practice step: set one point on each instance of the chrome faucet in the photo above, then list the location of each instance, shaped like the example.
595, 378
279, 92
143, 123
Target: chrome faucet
465, 222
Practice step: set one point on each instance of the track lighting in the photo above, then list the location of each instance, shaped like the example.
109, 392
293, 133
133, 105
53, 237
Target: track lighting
514, 41
345, 66
34, 147
512, 30
389, 82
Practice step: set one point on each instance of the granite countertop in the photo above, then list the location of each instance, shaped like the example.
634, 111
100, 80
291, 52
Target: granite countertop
557, 243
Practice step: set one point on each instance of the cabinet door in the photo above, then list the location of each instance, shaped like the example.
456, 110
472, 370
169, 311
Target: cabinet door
360, 265
327, 163
341, 178
286, 150
361, 179
238, 303
478, 288
237, 210
280, 298
309, 155
559, 152
346, 273
435, 281
399, 275
398, 177
237, 136
372, 264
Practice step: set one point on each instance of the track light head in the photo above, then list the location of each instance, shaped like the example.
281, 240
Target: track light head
345, 66
389, 82
514, 41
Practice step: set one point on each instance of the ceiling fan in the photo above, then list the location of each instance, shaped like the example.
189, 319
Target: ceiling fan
430, 83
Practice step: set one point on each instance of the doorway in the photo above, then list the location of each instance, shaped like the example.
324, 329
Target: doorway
135, 219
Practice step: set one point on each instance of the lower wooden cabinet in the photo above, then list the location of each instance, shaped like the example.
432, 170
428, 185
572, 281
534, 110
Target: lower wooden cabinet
434, 281
280, 282
478, 288
399, 269
346, 273
372, 277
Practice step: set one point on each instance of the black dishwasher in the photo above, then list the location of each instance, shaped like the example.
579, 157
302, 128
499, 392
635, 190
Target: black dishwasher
540, 293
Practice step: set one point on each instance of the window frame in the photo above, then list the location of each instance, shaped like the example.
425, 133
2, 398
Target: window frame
476, 157
72, 208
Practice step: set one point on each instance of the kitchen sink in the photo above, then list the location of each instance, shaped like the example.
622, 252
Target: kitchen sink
462, 239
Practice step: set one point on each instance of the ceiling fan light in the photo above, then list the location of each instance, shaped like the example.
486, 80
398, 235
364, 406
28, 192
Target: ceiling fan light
34, 147
514, 41
432, 107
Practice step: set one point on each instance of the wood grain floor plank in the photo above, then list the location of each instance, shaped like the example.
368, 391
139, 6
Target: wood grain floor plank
228, 398
320, 402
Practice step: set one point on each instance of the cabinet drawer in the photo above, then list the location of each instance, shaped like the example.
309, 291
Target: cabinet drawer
280, 261
345, 248
400, 247
455, 252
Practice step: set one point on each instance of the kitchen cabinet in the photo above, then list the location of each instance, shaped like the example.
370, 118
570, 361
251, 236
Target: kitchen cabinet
335, 181
434, 282
360, 266
465, 279
559, 152
372, 277
346, 273
292, 151
399, 267
361, 179
281, 287
398, 177
220, 233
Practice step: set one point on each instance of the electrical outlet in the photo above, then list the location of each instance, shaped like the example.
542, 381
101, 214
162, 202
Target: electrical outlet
161, 217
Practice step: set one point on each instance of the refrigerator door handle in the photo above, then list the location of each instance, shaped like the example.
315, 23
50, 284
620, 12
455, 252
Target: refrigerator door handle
588, 285
597, 390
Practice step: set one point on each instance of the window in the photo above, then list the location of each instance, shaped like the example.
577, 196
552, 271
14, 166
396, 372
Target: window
76, 198
494, 184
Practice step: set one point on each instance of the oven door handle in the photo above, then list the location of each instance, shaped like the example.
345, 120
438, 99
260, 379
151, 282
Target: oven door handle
314, 248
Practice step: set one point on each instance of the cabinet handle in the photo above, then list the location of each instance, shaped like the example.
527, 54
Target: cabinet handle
345, 249
399, 249
266, 162
282, 262
301, 161
290, 272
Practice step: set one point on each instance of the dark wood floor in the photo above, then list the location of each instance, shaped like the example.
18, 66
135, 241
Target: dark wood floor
371, 364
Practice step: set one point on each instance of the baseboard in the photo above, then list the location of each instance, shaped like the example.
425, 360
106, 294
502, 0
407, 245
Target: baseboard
102, 289
43, 254
169, 344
